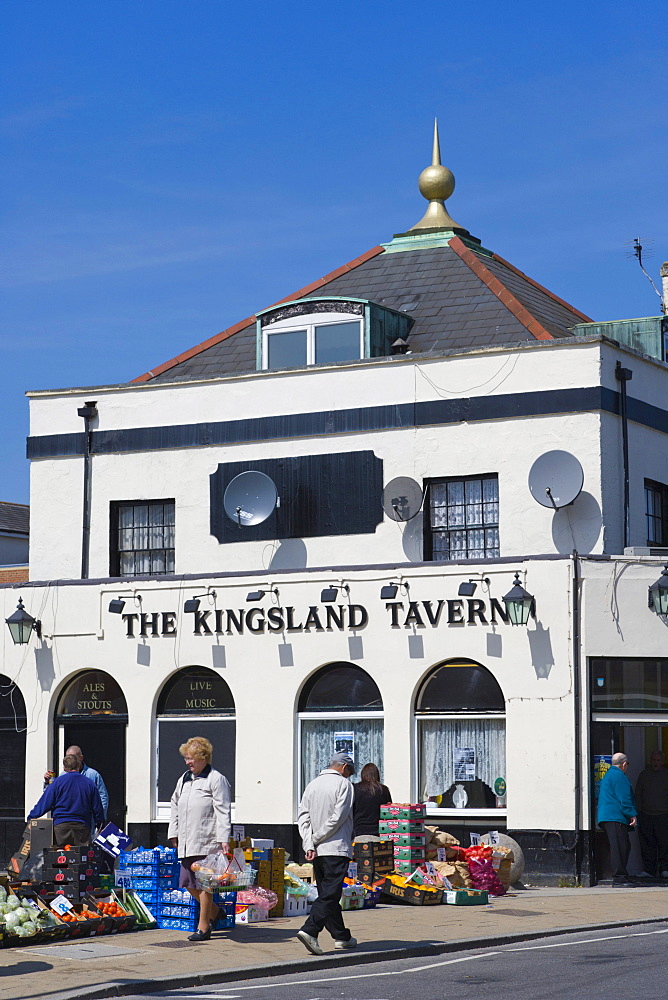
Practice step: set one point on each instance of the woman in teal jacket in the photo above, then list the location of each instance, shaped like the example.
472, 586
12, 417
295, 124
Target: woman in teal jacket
616, 813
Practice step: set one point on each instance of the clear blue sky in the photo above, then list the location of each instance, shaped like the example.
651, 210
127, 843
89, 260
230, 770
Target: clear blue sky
170, 166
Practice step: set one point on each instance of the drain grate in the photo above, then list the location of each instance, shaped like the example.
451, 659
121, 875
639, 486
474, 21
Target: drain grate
169, 944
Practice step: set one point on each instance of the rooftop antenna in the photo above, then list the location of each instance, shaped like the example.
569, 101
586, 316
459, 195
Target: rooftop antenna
637, 250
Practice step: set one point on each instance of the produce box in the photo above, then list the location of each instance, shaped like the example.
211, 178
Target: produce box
407, 827
409, 854
370, 876
131, 901
352, 897
407, 867
370, 848
250, 915
108, 903
63, 857
403, 810
295, 906
375, 861
411, 894
408, 840
78, 920
50, 926
466, 897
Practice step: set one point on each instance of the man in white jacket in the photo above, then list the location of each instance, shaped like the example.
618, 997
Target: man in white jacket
326, 828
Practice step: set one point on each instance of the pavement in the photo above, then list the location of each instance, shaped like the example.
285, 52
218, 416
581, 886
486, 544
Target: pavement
148, 961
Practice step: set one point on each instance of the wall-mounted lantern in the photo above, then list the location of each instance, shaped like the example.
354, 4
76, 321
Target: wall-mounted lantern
21, 625
658, 594
519, 604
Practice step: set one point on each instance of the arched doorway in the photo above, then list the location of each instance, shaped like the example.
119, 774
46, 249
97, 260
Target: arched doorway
340, 708
12, 769
461, 736
194, 702
92, 713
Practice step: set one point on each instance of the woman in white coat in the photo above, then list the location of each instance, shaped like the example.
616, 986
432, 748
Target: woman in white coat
200, 823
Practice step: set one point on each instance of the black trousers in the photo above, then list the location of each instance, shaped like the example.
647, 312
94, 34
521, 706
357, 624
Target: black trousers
653, 832
329, 871
620, 847
73, 833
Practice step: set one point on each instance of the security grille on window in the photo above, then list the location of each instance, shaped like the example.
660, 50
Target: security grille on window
463, 519
656, 511
142, 538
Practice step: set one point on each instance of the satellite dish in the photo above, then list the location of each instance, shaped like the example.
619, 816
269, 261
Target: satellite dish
556, 479
250, 498
402, 498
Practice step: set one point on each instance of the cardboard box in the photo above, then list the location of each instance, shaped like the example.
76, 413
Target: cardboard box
413, 895
403, 810
409, 854
385, 863
370, 848
65, 857
250, 914
295, 906
407, 827
466, 897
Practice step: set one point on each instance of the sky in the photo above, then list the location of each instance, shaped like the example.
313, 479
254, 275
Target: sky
168, 167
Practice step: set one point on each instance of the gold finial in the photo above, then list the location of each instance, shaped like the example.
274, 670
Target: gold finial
436, 183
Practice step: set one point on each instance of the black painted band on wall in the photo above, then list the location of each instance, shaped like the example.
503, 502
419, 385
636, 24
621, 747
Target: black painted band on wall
350, 421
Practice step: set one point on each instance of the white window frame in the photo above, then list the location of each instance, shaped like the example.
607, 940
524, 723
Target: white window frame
432, 809
308, 323
350, 716
162, 810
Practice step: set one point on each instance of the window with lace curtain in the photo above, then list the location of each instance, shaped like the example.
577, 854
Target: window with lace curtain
461, 730
462, 518
341, 698
142, 538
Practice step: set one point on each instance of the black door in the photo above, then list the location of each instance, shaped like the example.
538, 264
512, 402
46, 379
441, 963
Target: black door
103, 747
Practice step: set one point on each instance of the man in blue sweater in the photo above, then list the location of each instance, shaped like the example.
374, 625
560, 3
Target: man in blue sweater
74, 802
616, 814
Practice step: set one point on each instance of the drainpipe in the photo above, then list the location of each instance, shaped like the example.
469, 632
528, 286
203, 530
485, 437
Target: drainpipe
88, 412
624, 375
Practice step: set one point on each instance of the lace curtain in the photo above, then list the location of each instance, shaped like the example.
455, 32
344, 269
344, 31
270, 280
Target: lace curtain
440, 737
318, 744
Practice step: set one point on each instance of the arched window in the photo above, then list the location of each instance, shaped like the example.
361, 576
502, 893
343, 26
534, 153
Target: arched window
340, 708
194, 702
12, 773
461, 728
92, 714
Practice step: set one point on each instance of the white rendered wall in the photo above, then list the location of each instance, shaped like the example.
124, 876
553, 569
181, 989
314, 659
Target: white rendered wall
507, 447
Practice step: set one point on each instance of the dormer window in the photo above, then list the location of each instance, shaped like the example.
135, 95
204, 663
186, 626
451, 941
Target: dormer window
326, 331
326, 341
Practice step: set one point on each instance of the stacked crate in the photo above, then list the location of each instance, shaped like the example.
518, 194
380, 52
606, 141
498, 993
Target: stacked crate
373, 860
153, 873
403, 824
177, 910
72, 871
270, 875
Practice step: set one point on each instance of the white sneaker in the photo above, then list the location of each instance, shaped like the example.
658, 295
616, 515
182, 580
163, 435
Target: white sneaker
345, 945
310, 942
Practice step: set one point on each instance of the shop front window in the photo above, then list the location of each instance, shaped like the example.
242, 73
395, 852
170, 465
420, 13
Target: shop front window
340, 708
461, 732
13, 725
629, 684
194, 702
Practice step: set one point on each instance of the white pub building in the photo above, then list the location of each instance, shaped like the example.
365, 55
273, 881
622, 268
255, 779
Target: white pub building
304, 533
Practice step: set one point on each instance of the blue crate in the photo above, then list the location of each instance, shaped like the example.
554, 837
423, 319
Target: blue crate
176, 924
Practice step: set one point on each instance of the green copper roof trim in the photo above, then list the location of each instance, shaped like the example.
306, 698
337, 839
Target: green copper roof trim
421, 240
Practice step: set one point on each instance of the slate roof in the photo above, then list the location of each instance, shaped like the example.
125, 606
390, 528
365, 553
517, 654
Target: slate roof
14, 518
459, 295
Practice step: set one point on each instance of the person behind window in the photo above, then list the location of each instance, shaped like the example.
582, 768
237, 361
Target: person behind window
200, 823
370, 795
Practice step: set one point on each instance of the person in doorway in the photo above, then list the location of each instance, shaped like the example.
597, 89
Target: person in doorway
652, 803
200, 823
369, 796
326, 827
95, 777
74, 802
616, 813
